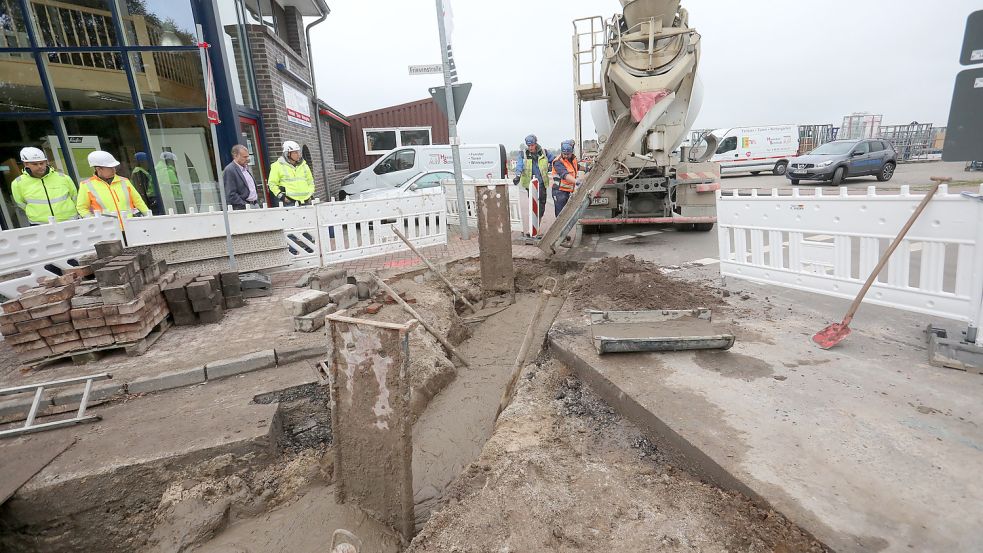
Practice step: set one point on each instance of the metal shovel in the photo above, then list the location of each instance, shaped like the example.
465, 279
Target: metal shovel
836, 332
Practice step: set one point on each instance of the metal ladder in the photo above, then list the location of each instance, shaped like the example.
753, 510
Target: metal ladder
38, 390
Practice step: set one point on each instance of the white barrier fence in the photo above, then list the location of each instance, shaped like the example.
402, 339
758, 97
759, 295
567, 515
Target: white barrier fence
315, 235
25, 252
450, 191
829, 244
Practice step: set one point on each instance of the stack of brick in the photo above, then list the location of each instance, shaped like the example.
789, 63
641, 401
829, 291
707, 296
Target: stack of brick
73, 313
38, 323
203, 299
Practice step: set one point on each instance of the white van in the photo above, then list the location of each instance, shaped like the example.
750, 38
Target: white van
478, 161
756, 149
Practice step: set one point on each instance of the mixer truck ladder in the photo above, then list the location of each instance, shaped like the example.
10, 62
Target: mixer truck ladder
588, 53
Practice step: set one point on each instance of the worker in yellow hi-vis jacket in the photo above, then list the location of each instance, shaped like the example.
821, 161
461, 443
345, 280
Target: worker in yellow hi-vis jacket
108, 194
291, 180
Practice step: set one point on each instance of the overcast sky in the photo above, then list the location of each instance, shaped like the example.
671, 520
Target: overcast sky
807, 62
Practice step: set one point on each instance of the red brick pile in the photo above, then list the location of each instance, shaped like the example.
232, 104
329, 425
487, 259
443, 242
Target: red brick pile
75, 312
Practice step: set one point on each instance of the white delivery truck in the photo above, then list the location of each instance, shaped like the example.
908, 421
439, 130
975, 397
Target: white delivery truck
756, 149
478, 161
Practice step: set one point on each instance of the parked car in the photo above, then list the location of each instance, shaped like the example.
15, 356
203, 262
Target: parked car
839, 159
479, 161
421, 183
756, 149
974, 166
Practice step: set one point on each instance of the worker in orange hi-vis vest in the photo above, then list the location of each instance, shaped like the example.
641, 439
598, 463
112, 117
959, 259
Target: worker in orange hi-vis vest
107, 194
565, 169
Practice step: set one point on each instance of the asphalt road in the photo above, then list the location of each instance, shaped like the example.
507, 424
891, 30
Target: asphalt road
912, 174
666, 245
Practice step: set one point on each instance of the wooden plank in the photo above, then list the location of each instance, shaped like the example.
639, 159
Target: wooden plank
495, 238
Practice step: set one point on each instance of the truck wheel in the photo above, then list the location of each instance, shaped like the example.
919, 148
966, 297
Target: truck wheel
794, 181
703, 227
780, 168
886, 172
838, 176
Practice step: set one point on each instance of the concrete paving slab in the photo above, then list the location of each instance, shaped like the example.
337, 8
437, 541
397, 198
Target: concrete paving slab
865, 446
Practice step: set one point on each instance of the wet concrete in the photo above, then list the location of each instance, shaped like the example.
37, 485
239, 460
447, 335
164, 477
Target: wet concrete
451, 432
303, 526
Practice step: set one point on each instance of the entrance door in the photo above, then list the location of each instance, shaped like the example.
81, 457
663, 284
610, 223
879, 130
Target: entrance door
251, 140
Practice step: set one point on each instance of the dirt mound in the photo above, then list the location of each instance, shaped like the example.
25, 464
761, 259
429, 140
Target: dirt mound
624, 283
563, 472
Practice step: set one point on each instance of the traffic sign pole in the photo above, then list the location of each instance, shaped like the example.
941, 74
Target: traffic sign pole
462, 207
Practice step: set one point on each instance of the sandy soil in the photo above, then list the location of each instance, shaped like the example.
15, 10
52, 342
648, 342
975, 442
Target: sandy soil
624, 283
564, 473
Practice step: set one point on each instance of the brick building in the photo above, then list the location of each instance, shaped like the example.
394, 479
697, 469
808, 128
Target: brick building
142, 94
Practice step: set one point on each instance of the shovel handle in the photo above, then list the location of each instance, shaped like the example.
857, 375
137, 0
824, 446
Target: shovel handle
890, 249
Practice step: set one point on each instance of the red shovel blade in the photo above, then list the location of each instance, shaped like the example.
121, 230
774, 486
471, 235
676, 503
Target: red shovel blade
831, 335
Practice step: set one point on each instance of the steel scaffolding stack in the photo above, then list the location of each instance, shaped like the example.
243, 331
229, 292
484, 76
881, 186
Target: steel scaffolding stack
814, 136
860, 125
913, 142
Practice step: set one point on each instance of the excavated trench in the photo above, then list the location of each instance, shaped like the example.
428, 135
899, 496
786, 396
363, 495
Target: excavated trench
288, 503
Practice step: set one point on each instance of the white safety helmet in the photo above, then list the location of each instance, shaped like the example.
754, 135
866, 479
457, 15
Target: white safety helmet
168, 156
290, 146
32, 154
100, 158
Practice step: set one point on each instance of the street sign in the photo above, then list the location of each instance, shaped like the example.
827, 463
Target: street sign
972, 52
461, 91
962, 135
430, 69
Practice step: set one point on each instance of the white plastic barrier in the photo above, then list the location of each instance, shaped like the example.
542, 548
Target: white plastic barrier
355, 229
829, 244
298, 224
316, 235
24, 252
450, 191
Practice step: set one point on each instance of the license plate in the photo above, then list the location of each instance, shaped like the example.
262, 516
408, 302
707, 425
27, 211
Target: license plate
798, 172
600, 201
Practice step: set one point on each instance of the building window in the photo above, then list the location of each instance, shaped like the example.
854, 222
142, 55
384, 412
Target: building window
305, 153
182, 149
338, 150
21, 89
234, 16
116, 134
380, 141
158, 23
169, 79
89, 80
74, 23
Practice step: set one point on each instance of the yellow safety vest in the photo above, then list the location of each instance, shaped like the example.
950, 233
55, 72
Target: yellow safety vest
52, 195
117, 199
297, 181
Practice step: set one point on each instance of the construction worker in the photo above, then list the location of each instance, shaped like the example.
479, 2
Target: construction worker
291, 180
535, 161
167, 176
144, 183
108, 194
41, 192
565, 170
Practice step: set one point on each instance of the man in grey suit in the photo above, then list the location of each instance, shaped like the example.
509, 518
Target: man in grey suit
240, 188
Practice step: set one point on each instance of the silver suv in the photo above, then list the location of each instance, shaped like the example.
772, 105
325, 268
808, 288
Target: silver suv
839, 159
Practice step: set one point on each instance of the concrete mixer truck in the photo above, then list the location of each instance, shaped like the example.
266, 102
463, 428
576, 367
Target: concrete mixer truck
638, 72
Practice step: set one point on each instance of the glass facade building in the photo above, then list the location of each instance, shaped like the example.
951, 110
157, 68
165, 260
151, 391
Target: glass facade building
127, 76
